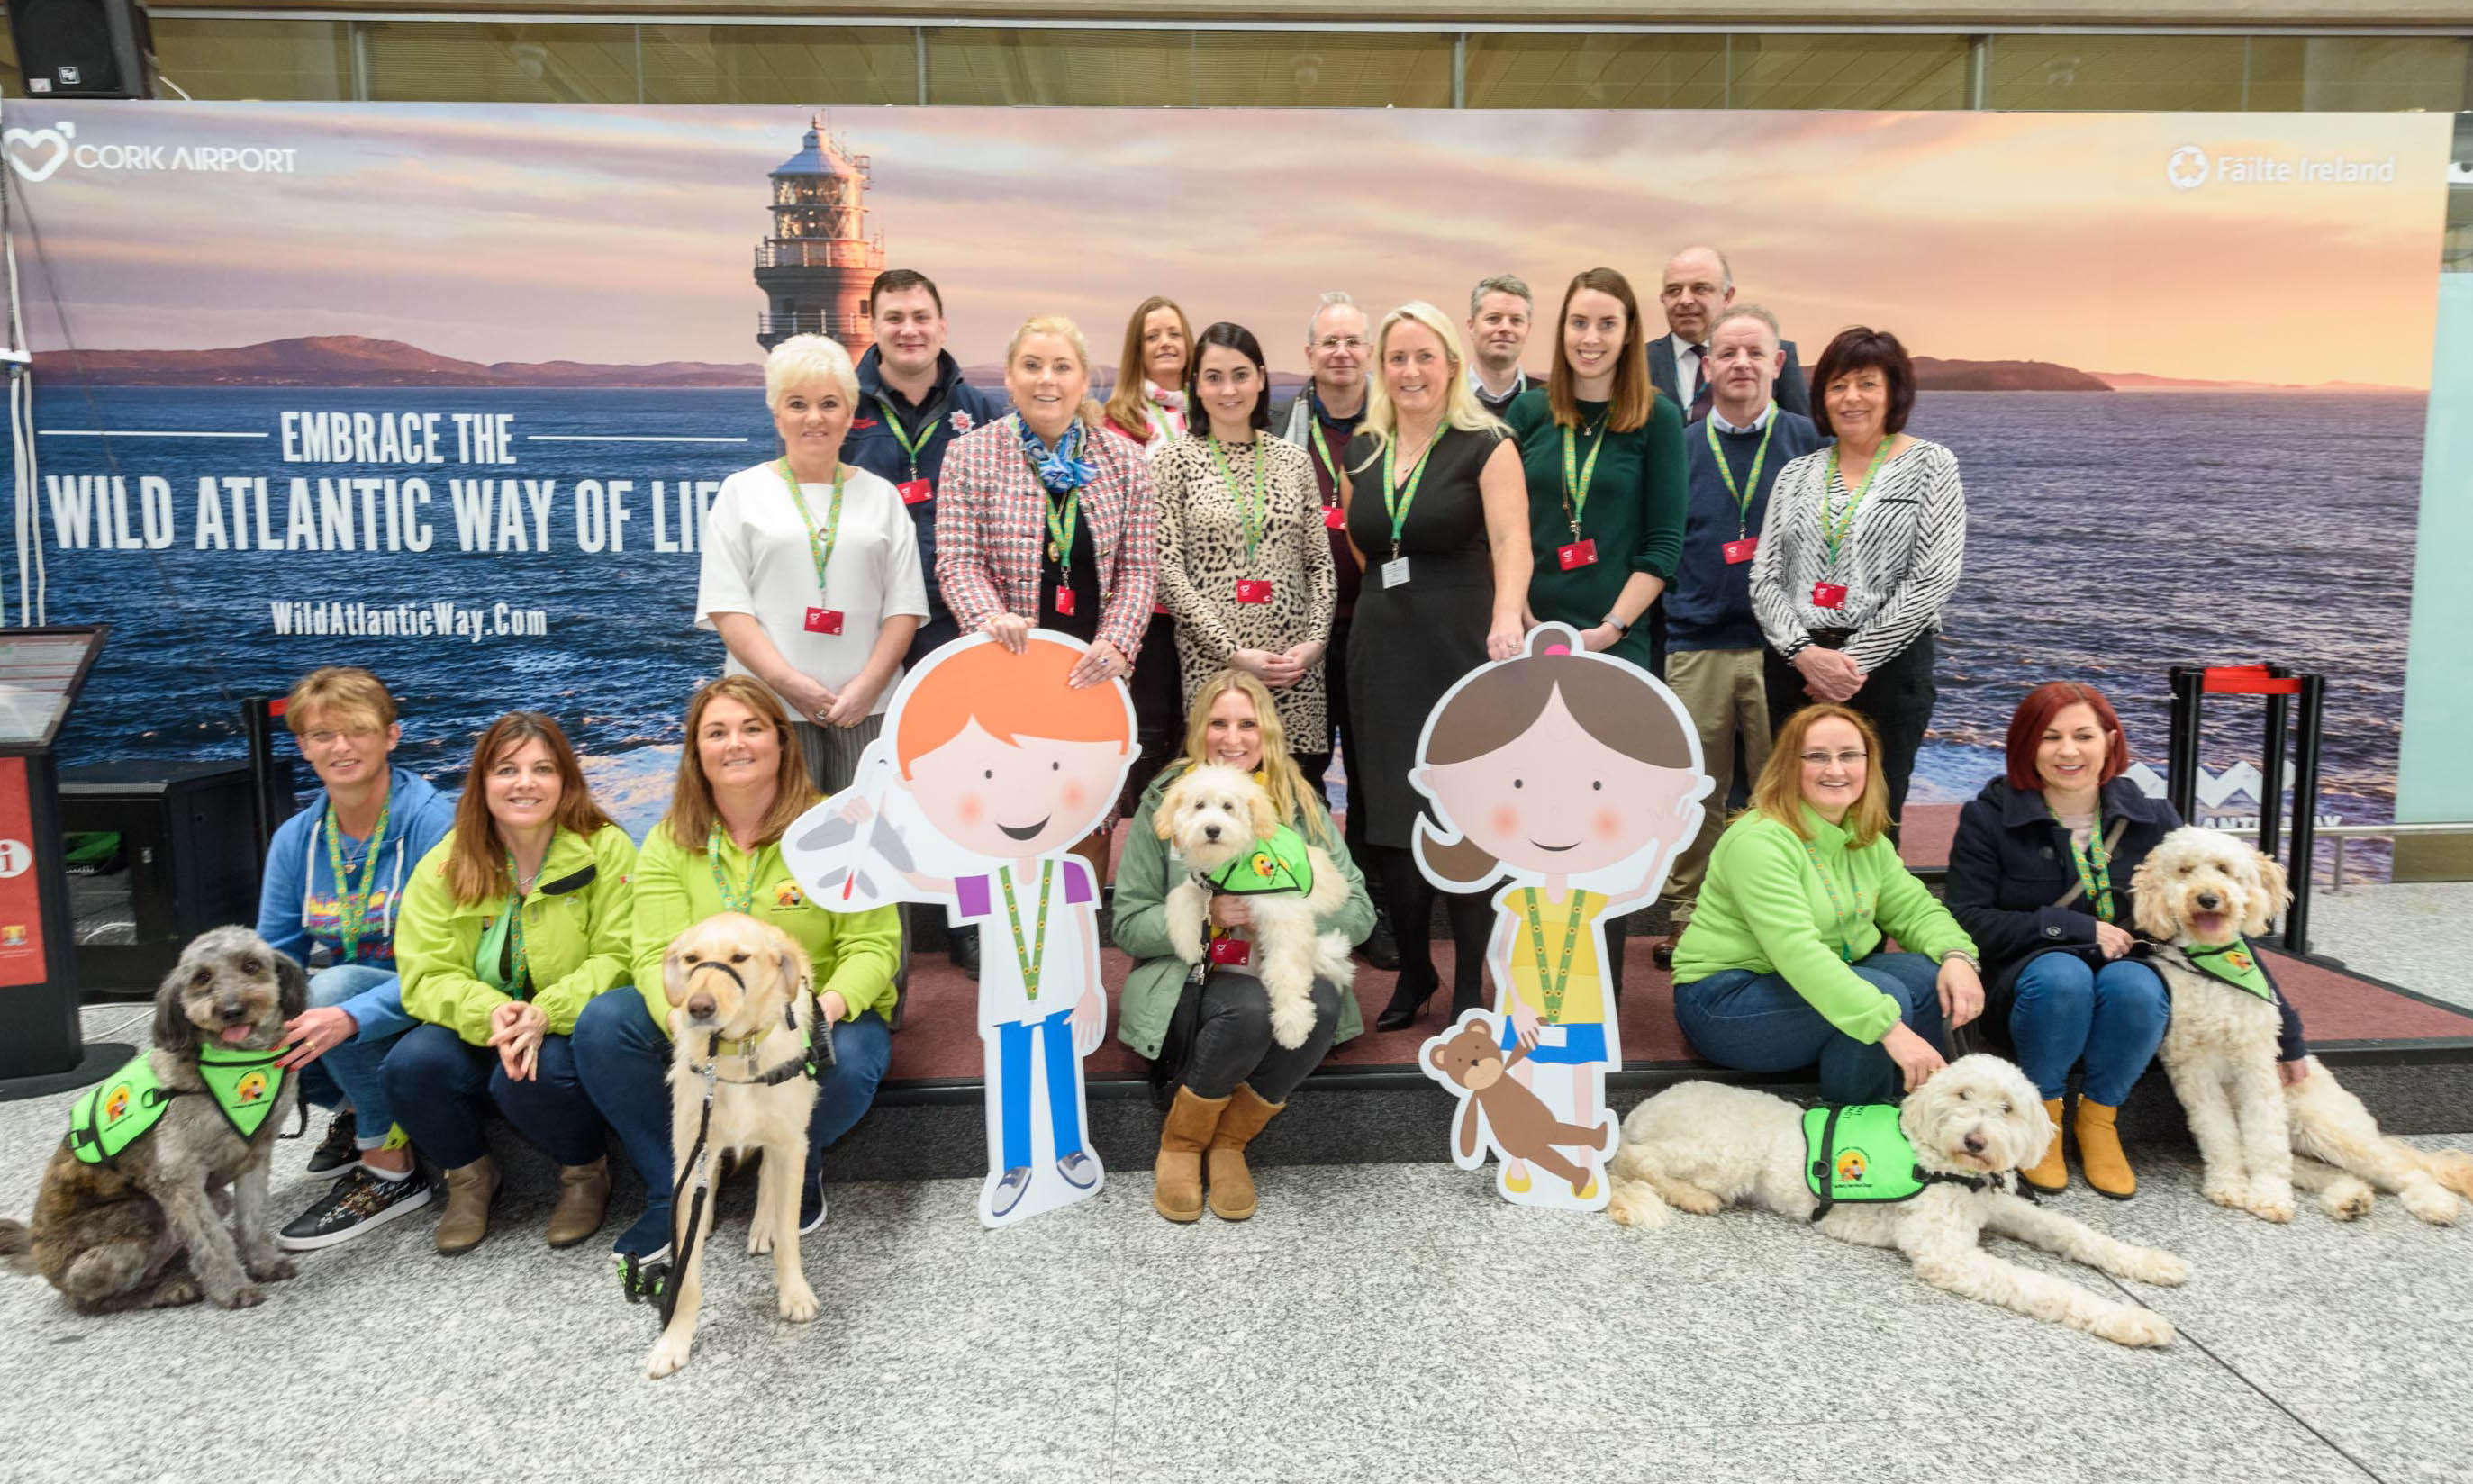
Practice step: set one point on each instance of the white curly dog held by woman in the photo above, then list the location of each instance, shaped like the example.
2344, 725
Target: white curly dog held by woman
2199, 893
1702, 1146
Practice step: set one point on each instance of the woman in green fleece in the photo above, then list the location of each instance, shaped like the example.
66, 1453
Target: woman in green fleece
1782, 966
742, 781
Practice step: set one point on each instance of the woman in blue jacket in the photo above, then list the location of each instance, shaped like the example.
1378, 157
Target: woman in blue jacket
334, 879
2039, 877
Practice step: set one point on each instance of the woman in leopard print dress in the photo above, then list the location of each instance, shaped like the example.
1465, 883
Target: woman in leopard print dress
1244, 563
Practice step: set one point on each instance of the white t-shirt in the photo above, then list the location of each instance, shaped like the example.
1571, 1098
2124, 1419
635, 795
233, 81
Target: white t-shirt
758, 560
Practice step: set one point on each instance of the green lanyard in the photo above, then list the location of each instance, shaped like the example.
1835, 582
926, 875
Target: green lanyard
1752, 486
520, 970
1248, 505
914, 448
2094, 867
1551, 989
733, 898
1061, 521
1575, 485
1030, 955
1396, 500
820, 545
352, 907
1323, 456
1832, 532
1845, 924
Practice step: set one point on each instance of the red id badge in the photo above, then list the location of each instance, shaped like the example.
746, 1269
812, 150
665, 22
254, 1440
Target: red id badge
824, 621
1335, 517
1579, 554
1231, 950
1739, 552
1064, 602
1828, 595
916, 491
1253, 589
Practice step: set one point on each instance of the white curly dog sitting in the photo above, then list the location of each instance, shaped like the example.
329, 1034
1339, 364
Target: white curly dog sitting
1702, 1146
1229, 839
2199, 891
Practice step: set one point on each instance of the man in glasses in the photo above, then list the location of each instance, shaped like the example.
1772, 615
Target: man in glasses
1698, 290
1321, 421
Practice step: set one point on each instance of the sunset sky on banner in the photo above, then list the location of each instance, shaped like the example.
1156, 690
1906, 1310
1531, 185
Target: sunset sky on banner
532, 233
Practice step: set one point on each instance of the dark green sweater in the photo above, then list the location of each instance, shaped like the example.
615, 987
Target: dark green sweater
1637, 499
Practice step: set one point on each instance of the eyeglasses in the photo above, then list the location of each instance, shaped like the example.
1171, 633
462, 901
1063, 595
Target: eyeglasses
1846, 759
1330, 342
330, 738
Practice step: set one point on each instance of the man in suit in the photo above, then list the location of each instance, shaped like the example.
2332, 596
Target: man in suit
1699, 286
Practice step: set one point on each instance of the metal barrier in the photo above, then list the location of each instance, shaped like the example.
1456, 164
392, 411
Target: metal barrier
2192, 684
2339, 833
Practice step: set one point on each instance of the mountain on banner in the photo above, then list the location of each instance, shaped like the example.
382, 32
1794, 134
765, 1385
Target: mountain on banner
359, 361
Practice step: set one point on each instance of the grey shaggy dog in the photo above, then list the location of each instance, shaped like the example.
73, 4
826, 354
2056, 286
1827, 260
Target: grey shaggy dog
147, 1229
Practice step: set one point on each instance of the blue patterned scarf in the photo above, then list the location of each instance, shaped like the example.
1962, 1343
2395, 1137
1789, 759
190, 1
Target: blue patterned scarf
1060, 471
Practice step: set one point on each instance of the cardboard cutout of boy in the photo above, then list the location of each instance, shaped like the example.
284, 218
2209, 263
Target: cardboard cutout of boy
1577, 777
988, 769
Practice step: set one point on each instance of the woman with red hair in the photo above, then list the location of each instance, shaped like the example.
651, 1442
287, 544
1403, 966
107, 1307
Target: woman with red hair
2039, 877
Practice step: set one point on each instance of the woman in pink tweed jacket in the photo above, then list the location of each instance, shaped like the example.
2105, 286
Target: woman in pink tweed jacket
1044, 521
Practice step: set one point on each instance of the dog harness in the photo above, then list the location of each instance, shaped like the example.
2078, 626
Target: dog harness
1858, 1153
116, 1112
2233, 964
1277, 863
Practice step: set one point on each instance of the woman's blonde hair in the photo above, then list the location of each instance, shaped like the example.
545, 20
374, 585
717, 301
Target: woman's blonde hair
1460, 407
1778, 792
804, 358
347, 695
1090, 413
1281, 778
1126, 401
691, 814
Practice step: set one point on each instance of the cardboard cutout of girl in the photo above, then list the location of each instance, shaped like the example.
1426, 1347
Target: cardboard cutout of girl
1006, 767
1577, 777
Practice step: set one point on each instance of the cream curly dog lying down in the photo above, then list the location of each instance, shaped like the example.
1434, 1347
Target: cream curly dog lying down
1701, 1146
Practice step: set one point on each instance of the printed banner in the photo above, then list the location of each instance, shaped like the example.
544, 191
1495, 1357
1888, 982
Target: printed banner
446, 389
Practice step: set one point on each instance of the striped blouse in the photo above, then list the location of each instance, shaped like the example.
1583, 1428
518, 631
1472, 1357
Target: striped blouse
1898, 565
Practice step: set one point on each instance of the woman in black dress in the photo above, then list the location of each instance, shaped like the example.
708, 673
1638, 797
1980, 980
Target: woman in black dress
1438, 514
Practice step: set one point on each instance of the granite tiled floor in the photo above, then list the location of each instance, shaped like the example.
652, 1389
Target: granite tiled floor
1375, 1322
2417, 934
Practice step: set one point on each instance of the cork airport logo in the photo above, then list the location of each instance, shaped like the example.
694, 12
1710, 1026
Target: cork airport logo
37, 155
2189, 168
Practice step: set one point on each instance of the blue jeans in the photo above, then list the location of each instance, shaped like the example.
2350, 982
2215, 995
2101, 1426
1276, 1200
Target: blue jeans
1063, 1068
2067, 1009
438, 1084
350, 1073
1758, 1023
624, 1059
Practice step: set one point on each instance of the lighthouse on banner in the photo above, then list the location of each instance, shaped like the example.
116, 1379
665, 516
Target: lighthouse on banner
816, 266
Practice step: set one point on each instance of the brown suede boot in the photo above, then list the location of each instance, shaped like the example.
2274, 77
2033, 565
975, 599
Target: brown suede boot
2099, 1157
1176, 1179
1231, 1183
583, 1200
2050, 1175
469, 1190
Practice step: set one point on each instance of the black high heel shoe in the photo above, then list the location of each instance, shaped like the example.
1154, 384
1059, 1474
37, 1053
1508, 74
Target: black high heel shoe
1408, 997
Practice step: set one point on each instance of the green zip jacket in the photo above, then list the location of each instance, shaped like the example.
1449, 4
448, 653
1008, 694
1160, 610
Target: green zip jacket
1147, 870
576, 942
1765, 908
852, 953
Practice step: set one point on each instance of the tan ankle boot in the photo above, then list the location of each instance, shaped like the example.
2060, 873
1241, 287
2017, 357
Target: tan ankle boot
2099, 1157
2050, 1175
583, 1200
1176, 1179
469, 1190
1231, 1183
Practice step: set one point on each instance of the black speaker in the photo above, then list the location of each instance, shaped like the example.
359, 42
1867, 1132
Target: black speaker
82, 48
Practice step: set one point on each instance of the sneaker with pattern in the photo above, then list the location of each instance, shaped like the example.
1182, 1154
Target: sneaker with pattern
358, 1202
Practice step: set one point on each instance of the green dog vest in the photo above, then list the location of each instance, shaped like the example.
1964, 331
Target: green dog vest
1859, 1153
1278, 864
2233, 964
116, 1112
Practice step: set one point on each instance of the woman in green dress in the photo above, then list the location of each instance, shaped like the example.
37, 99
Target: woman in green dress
1603, 454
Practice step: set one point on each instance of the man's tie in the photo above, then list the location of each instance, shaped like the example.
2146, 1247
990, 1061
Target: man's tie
1700, 389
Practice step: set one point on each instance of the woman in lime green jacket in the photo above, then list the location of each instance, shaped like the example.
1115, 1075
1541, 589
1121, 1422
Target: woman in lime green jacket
741, 784
1782, 964
512, 925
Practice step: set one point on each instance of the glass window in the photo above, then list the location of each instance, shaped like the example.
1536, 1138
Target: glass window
253, 59
1555, 71
459, 62
2378, 74
792, 64
1274, 69
2117, 74
1847, 72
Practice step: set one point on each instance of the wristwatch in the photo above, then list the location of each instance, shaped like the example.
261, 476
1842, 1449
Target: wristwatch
1614, 620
